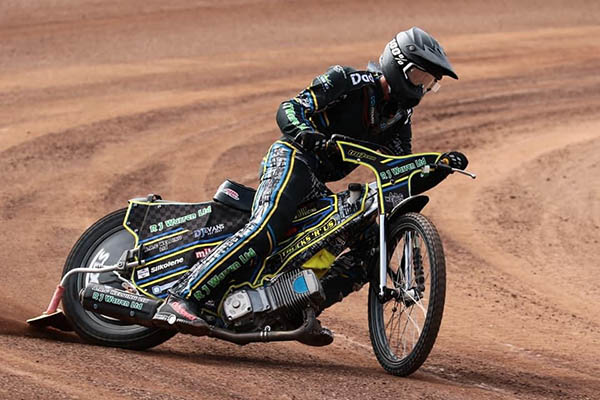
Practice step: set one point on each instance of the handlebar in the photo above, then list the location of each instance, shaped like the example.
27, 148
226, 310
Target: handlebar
375, 146
442, 165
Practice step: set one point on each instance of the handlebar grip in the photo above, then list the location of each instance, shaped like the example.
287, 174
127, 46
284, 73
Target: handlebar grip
443, 166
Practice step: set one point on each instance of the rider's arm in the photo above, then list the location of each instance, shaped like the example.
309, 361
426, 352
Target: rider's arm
293, 116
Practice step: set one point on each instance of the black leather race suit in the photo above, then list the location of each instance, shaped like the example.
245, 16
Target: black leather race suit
343, 101
347, 102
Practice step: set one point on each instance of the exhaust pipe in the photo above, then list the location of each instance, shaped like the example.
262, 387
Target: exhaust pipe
300, 334
130, 307
119, 304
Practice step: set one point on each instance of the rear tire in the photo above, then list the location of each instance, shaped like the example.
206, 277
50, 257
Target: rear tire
403, 351
100, 245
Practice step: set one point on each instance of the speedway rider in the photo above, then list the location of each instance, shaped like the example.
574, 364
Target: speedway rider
373, 105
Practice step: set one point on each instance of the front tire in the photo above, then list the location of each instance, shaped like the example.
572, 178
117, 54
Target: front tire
101, 245
403, 330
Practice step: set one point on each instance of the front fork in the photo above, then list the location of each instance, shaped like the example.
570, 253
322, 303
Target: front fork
382, 258
386, 293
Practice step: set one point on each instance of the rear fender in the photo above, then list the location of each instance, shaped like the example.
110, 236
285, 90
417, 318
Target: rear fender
411, 204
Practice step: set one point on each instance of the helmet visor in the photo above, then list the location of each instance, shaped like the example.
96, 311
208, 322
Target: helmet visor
418, 77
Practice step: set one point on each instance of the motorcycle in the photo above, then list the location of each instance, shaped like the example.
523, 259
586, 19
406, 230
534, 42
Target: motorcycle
121, 268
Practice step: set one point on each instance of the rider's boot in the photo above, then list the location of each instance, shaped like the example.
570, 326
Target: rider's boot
180, 314
318, 336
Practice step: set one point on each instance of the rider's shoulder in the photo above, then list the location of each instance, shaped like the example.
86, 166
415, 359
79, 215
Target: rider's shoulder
340, 70
339, 79
353, 76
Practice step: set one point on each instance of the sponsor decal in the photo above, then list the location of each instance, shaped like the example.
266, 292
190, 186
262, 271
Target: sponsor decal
361, 154
208, 230
231, 193
398, 56
394, 198
303, 101
156, 227
215, 280
100, 259
304, 211
358, 77
182, 311
173, 222
163, 245
340, 69
120, 299
388, 174
325, 81
308, 239
143, 273
170, 223
168, 264
288, 108
151, 247
203, 252
204, 211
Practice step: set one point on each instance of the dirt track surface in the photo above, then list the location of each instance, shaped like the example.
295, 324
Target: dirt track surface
103, 101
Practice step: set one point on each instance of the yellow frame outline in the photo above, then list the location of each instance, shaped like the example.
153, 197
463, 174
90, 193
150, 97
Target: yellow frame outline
380, 186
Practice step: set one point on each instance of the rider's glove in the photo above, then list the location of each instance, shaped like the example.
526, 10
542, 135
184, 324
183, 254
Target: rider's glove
455, 159
312, 141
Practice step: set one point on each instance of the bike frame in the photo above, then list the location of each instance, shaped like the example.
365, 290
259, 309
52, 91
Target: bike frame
399, 180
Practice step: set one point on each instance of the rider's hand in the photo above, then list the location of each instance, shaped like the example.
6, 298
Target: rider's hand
455, 159
312, 141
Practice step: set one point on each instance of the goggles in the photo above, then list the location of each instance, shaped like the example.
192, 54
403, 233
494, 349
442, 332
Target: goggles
418, 77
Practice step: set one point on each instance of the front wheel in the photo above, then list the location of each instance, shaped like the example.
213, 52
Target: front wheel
102, 245
404, 327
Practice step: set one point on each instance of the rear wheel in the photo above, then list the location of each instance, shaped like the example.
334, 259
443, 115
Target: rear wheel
102, 245
404, 328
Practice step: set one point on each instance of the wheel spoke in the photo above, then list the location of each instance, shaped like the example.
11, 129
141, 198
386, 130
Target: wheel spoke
418, 303
413, 321
392, 325
404, 332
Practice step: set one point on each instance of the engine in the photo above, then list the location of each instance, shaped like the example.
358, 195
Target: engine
286, 296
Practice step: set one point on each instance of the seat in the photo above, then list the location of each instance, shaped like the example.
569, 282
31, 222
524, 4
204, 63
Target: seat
235, 195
